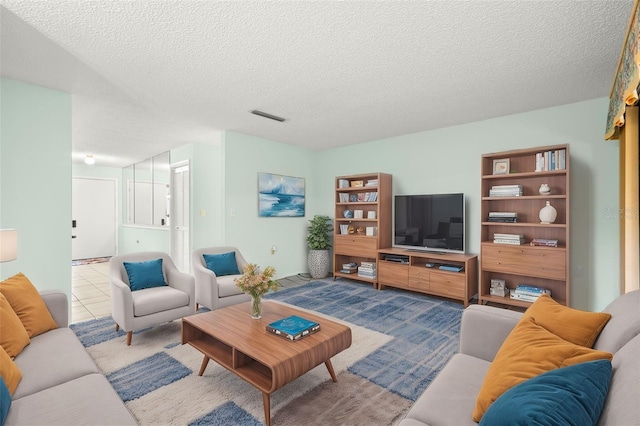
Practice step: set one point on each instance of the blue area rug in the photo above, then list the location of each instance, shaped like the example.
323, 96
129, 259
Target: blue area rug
407, 338
425, 329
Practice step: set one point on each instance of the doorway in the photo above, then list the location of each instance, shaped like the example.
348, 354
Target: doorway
93, 218
180, 215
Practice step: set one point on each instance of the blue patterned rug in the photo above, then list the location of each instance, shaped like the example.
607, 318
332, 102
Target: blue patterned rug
401, 340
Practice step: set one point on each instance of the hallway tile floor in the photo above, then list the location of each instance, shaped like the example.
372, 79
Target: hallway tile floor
91, 290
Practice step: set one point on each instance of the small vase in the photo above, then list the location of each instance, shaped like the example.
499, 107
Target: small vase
256, 306
544, 189
548, 214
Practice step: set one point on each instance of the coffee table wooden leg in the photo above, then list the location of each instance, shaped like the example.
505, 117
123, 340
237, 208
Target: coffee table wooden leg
266, 400
205, 362
330, 368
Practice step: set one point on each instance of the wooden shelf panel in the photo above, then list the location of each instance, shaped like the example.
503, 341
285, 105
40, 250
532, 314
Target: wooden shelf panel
526, 197
527, 175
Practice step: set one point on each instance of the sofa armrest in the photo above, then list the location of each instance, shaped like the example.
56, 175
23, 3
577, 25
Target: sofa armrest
58, 304
183, 282
484, 328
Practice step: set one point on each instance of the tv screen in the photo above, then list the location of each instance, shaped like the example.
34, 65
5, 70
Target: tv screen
430, 222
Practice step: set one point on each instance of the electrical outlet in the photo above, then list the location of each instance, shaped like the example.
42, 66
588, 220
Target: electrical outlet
273, 249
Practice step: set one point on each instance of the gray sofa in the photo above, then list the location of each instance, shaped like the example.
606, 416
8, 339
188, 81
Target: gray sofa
61, 385
450, 398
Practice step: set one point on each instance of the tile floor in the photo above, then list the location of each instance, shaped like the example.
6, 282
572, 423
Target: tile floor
91, 290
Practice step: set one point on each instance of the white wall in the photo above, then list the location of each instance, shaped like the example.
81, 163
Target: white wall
35, 184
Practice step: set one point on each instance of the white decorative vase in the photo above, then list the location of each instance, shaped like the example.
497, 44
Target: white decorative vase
544, 189
548, 214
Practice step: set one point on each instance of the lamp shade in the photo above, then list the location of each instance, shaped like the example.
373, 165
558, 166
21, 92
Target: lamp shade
8, 245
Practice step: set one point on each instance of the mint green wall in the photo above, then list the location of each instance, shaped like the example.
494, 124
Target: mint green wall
207, 195
245, 156
35, 184
448, 160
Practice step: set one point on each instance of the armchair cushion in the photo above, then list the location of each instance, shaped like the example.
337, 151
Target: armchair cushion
158, 299
26, 301
568, 395
222, 264
145, 274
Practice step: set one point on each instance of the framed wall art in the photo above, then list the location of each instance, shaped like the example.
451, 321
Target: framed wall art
501, 167
280, 196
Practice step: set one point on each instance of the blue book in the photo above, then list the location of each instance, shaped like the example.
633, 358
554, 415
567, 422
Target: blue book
451, 268
293, 327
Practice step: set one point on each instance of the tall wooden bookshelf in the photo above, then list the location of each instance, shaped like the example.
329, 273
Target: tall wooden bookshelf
357, 239
546, 267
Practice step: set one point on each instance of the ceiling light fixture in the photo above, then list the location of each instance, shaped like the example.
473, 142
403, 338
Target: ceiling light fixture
89, 159
266, 115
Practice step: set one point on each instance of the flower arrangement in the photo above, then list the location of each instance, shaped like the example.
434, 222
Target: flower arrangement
256, 283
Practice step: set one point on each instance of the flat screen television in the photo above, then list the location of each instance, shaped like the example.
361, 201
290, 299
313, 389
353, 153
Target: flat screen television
429, 222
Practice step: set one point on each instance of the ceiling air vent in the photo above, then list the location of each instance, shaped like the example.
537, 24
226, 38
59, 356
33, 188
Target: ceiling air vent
266, 115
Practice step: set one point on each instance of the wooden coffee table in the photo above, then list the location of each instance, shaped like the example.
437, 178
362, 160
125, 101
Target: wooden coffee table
242, 345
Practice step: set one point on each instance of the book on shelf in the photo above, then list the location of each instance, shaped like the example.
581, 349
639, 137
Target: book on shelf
343, 183
515, 239
505, 191
503, 219
508, 236
512, 242
522, 297
293, 328
530, 291
371, 265
542, 242
551, 160
503, 214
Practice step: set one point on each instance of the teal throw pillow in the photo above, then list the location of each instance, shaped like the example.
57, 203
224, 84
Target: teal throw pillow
572, 395
5, 401
222, 264
145, 274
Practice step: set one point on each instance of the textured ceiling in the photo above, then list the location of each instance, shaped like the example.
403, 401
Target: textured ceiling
147, 76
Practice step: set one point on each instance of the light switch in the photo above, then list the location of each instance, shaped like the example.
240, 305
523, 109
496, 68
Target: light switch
203, 213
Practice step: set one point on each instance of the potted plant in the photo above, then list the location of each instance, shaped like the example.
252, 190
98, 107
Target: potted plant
319, 241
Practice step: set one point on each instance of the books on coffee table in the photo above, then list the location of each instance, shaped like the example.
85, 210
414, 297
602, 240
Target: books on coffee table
293, 327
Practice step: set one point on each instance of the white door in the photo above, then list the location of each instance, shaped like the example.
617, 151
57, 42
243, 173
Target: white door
180, 214
93, 210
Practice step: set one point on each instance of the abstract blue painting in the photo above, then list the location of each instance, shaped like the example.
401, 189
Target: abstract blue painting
280, 196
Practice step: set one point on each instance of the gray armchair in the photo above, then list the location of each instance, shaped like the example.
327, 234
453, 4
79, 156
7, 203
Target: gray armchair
138, 309
213, 291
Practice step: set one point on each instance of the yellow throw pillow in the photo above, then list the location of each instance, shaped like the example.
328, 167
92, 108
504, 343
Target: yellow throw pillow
10, 372
13, 336
529, 350
573, 325
28, 304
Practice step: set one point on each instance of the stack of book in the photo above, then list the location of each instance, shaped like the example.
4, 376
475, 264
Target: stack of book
367, 269
528, 293
515, 239
507, 217
544, 242
372, 182
505, 191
